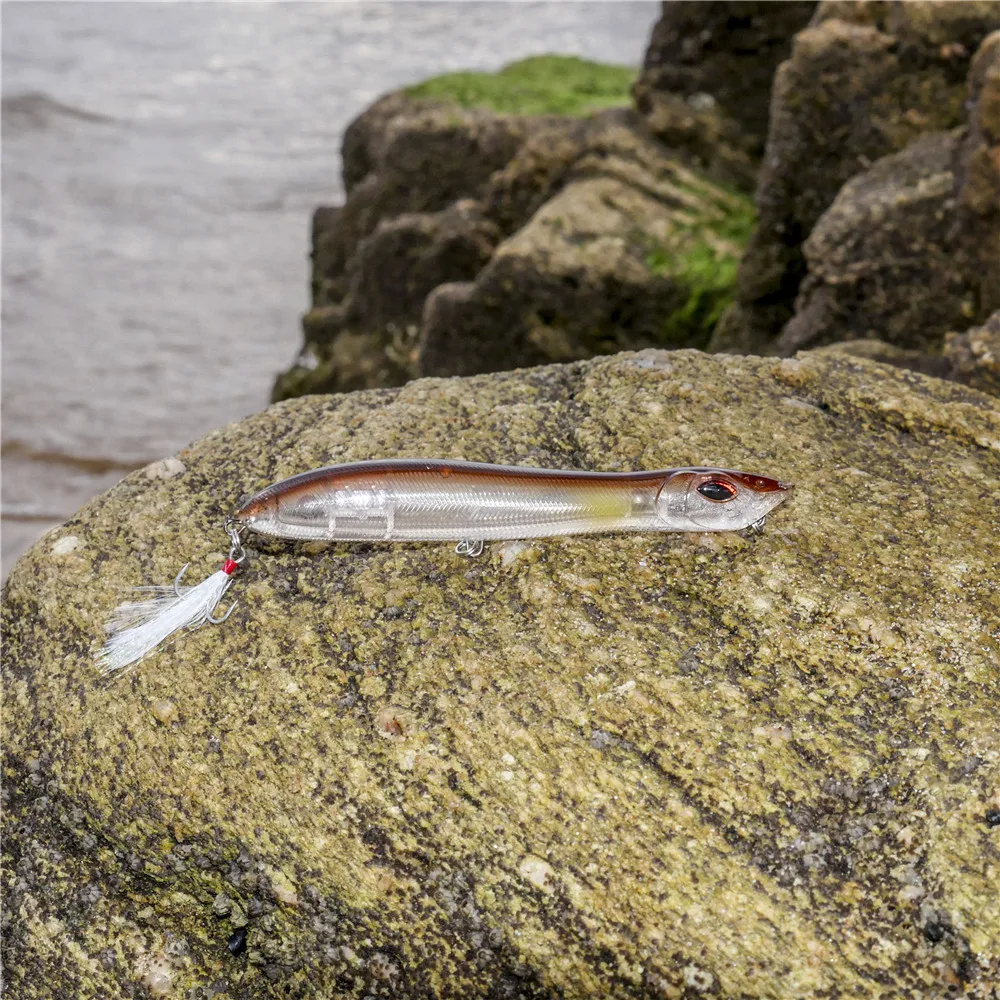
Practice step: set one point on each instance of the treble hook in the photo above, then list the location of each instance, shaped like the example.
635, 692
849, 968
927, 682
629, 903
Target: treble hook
237, 553
219, 621
177, 580
210, 618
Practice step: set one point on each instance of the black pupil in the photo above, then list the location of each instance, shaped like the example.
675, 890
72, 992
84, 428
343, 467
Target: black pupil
715, 490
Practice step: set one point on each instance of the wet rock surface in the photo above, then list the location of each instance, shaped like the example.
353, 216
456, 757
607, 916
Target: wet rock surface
706, 81
863, 81
646, 765
475, 240
628, 249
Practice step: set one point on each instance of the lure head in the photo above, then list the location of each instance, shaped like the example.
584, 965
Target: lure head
705, 499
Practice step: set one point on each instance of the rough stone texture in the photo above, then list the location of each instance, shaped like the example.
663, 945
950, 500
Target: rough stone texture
632, 766
887, 261
706, 81
558, 152
602, 266
974, 356
590, 239
404, 155
863, 81
398, 266
910, 248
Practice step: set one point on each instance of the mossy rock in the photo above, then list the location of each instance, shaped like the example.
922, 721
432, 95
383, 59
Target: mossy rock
704, 261
628, 249
623, 766
539, 85
473, 240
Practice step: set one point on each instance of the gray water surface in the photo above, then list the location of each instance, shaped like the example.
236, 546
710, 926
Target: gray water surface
160, 166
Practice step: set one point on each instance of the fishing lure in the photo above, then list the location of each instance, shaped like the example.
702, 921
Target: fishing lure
434, 500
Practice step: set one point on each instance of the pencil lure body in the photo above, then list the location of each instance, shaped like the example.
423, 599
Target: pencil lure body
435, 500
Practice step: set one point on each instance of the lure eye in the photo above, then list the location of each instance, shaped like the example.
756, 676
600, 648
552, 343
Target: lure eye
717, 490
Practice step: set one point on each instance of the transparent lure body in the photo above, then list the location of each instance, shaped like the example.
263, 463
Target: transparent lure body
427, 500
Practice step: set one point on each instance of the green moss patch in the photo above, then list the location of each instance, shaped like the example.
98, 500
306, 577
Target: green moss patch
704, 259
561, 85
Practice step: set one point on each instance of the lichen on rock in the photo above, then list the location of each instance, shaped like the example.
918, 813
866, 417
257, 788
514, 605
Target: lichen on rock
618, 766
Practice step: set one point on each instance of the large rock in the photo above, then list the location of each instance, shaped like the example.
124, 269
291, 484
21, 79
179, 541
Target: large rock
974, 356
862, 82
611, 244
706, 81
633, 249
887, 261
633, 766
646, 253
910, 248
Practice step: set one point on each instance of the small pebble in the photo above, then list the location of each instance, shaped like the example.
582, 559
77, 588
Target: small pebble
237, 943
164, 711
165, 468
65, 545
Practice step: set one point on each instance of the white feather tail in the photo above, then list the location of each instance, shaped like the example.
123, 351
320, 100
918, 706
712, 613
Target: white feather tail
138, 627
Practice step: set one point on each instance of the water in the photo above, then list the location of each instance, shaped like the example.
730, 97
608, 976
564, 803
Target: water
160, 166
